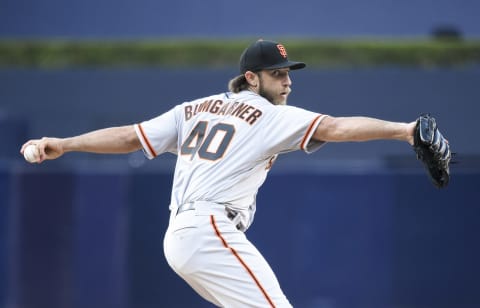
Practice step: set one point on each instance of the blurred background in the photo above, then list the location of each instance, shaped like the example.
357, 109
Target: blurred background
353, 225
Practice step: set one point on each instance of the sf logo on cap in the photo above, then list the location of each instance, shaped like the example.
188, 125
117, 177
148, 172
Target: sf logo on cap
282, 50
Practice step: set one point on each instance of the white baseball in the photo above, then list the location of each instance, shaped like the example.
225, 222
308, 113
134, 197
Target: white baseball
31, 153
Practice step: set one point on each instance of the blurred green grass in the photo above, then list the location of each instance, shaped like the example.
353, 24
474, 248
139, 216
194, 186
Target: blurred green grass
59, 54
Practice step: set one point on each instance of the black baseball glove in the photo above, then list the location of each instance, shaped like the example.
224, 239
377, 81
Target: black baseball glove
432, 150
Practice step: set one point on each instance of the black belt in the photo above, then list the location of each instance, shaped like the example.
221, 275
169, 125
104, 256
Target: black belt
231, 214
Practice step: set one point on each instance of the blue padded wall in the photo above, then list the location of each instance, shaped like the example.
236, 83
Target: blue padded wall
383, 238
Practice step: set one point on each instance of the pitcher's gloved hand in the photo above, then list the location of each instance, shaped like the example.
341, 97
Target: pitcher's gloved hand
433, 150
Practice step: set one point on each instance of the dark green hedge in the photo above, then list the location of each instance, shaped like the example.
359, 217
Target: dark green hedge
54, 54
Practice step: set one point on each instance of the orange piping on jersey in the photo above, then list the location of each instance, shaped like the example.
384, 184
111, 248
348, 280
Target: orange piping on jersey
235, 253
304, 140
150, 148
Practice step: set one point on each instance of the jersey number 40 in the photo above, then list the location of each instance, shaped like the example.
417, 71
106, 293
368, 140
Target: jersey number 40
211, 146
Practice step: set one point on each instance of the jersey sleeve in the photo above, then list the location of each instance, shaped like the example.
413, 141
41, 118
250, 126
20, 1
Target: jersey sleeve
292, 128
308, 144
158, 135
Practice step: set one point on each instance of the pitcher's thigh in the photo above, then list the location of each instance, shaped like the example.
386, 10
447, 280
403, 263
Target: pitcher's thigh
232, 271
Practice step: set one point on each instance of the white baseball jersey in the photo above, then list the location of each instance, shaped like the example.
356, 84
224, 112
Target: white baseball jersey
226, 144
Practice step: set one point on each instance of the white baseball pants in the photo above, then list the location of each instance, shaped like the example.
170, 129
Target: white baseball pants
204, 248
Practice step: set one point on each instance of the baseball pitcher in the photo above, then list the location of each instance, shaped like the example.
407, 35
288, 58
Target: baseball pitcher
226, 144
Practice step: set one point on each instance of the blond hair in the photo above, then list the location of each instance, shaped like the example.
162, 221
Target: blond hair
238, 84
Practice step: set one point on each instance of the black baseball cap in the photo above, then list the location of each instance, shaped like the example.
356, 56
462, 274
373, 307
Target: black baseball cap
266, 55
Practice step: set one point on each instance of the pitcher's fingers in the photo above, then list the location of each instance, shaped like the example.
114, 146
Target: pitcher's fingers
41, 149
26, 144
